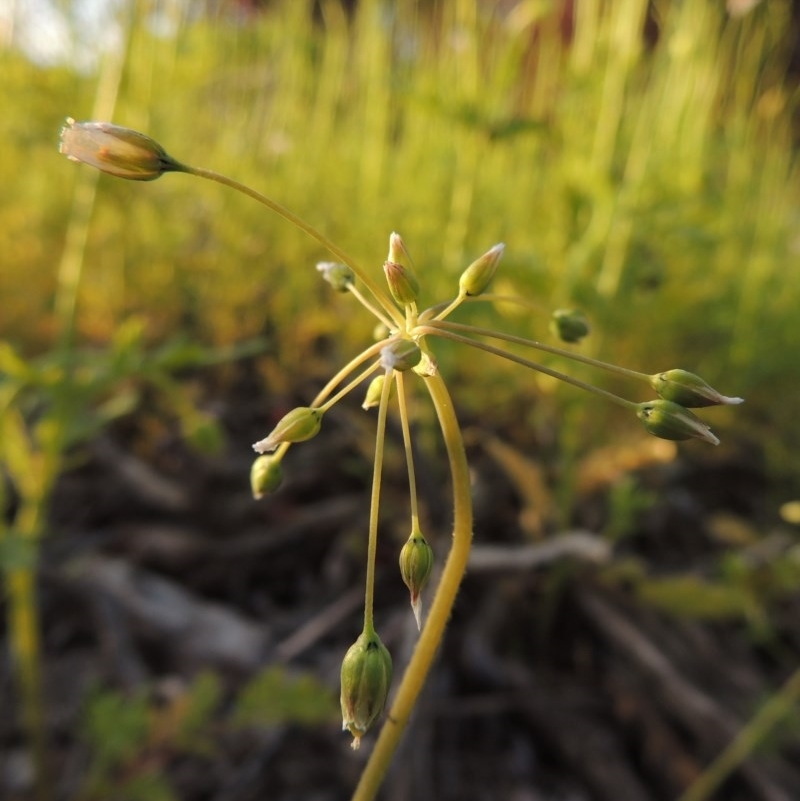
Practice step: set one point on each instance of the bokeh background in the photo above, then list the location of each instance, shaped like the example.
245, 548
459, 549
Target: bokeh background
629, 625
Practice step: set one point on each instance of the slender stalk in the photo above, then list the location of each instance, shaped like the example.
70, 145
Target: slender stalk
300, 223
412, 478
370, 307
452, 306
532, 343
441, 310
431, 637
567, 379
353, 364
349, 387
374, 506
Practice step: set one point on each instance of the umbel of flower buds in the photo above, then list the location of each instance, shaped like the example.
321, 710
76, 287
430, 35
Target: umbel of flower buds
569, 325
117, 151
688, 389
669, 420
416, 562
297, 426
266, 475
366, 677
477, 277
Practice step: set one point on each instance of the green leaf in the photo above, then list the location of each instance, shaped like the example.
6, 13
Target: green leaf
274, 697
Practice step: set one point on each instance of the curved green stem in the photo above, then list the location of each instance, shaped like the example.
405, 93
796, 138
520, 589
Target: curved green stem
433, 630
282, 211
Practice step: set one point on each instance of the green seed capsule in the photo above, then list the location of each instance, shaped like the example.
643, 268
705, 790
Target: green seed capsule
266, 475
569, 325
688, 389
366, 677
669, 420
374, 391
477, 277
400, 355
297, 426
416, 562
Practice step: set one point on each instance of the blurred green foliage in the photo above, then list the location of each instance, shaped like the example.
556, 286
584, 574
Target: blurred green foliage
639, 164
131, 737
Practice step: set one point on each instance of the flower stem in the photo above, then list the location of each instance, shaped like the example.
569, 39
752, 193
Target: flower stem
567, 379
412, 480
363, 375
433, 630
532, 343
374, 506
372, 350
292, 218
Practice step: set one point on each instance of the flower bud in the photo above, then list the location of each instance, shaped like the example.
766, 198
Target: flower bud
416, 562
266, 475
402, 282
338, 275
374, 391
669, 420
477, 277
366, 676
688, 389
398, 252
400, 355
297, 426
569, 325
117, 151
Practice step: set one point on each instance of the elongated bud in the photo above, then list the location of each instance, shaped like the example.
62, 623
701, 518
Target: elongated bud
366, 677
374, 391
416, 562
569, 325
338, 275
688, 389
117, 151
398, 253
266, 475
402, 282
400, 355
669, 420
297, 426
477, 277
